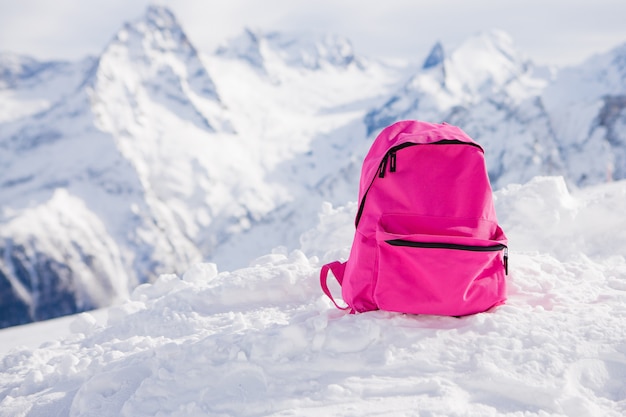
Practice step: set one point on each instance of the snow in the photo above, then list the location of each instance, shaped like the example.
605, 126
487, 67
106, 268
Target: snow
28, 86
264, 341
154, 156
177, 156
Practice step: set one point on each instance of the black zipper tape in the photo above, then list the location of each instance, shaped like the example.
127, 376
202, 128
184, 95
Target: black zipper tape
442, 245
390, 157
455, 246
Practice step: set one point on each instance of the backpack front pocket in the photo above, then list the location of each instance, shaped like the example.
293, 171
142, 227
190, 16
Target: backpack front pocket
445, 275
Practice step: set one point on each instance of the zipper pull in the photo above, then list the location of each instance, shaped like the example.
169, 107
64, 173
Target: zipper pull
383, 166
392, 161
506, 261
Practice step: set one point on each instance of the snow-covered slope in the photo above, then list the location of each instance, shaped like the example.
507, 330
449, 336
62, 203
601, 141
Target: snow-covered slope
167, 168
587, 107
265, 341
493, 92
28, 86
77, 211
531, 120
297, 104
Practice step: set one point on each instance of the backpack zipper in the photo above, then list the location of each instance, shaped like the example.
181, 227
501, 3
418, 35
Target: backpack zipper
390, 159
454, 246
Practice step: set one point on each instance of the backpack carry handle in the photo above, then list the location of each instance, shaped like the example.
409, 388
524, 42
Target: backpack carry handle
338, 269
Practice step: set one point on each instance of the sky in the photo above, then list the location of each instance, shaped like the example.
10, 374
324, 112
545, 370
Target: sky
552, 32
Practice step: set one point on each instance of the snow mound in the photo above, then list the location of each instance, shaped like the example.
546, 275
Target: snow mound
263, 340
307, 52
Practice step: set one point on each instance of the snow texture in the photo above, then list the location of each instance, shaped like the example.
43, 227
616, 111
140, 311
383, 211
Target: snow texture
164, 168
264, 341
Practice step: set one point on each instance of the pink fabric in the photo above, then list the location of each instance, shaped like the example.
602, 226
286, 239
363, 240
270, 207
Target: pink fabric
402, 132
337, 268
436, 194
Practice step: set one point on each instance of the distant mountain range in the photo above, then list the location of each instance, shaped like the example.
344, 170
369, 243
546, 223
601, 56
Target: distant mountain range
154, 156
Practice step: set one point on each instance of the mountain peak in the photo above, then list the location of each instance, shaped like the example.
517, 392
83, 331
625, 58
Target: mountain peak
310, 52
487, 49
497, 37
157, 29
246, 46
152, 54
485, 65
313, 51
435, 57
160, 17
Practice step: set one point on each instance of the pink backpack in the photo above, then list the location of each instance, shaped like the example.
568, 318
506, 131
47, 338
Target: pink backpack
427, 239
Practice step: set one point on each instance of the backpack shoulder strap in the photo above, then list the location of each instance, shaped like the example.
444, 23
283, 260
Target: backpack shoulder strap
338, 269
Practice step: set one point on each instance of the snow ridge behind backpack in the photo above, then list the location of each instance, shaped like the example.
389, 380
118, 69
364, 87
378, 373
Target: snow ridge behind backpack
427, 239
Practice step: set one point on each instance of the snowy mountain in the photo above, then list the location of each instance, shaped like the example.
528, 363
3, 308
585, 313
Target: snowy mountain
154, 156
532, 121
28, 86
145, 167
587, 106
261, 50
493, 92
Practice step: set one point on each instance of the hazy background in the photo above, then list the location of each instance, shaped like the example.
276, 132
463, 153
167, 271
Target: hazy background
558, 32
